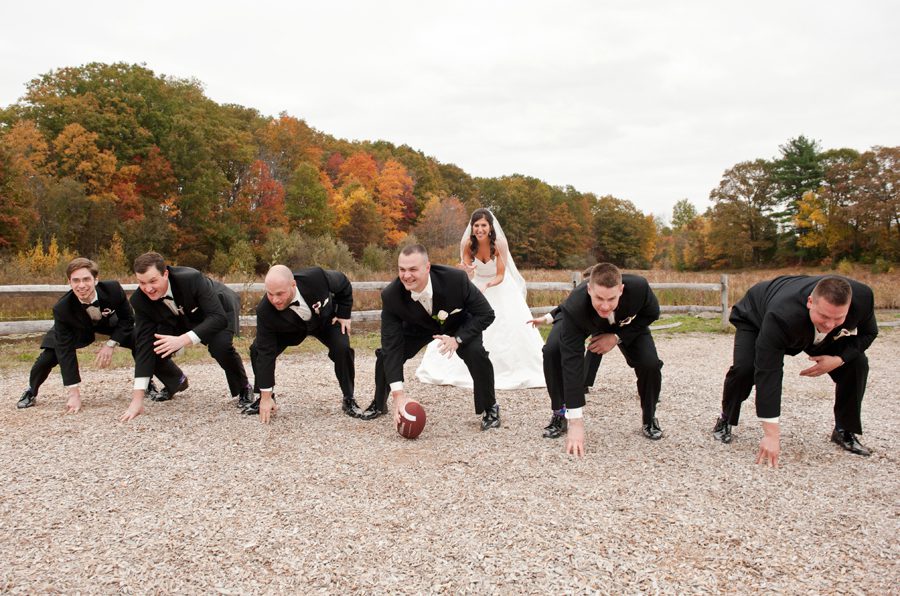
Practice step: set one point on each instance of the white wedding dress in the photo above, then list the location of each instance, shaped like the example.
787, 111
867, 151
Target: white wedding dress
513, 345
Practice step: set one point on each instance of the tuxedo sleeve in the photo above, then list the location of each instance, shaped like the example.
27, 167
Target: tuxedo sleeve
646, 314
266, 347
480, 311
214, 318
125, 315
144, 330
66, 345
392, 343
340, 287
771, 346
571, 353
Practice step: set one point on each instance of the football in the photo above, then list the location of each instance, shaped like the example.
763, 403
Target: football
412, 420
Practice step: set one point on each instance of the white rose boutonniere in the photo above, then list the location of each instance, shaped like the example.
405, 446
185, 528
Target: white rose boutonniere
442, 315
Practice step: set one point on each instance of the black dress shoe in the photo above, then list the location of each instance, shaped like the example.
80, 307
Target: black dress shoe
722, 430
27, 400
373, 411
491, 418
351, 408
652, 431
557, 427
245, 398
253, 407
164, 394
848, 441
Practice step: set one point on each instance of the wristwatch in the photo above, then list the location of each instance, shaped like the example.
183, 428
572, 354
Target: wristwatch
458, 340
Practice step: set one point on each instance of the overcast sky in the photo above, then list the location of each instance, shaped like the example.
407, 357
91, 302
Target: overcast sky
649, 101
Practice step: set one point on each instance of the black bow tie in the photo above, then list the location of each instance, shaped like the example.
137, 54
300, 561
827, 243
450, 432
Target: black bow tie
295, 303
87, 306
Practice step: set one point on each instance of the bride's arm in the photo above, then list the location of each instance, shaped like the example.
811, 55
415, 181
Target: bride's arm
502, 251
465, 258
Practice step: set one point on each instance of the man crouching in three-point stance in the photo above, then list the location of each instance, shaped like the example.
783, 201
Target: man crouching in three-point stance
830, 318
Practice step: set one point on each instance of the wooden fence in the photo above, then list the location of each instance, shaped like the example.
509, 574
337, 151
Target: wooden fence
20, 327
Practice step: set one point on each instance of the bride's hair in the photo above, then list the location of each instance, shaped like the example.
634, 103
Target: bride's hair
473, 241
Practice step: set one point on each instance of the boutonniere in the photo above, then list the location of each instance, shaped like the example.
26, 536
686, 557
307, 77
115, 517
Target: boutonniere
318, 305
180, 310
845, 333
626, 321
106, 312
441, 316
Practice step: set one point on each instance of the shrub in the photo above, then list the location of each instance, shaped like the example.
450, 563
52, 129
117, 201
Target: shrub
375, 258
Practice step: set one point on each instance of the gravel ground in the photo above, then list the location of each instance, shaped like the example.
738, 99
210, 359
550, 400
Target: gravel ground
193, 497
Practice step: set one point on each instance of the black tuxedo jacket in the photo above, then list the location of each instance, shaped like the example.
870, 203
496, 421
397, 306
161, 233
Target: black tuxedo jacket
637, 309
459, 309
73, 328
328, 294
206, 312
777, 311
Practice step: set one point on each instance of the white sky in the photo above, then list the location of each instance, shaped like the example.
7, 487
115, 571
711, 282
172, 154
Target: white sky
649, 101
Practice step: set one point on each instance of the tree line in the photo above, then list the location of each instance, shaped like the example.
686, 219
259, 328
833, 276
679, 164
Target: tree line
113, 160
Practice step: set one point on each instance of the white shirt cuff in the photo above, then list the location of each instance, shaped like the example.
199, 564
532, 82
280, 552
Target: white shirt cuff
141, 383
396, 386
574, 413
271, 389
73, 386
111, 343
194, 337
548, 318
772, 420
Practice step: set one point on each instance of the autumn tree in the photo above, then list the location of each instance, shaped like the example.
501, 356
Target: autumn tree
306, 201
259, 207
622, 234
359, 168
395, 200
13, 206
442, 222
364, 225
743, 231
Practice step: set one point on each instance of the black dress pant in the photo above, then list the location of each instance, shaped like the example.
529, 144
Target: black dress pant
471, 352
220, 346
339, 351
41, 368
47, 359
849, 379
640, 354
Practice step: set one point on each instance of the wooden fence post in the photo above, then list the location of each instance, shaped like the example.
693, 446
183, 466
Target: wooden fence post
725, 312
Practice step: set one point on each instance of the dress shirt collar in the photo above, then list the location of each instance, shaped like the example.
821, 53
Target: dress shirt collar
427, 292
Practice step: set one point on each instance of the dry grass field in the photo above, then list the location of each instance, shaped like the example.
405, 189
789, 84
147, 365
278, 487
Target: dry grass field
195, 498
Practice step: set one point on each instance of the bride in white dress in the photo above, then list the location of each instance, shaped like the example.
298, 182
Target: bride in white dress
513, 345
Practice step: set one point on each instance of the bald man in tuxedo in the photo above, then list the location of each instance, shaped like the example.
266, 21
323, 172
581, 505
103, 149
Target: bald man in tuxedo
311, 302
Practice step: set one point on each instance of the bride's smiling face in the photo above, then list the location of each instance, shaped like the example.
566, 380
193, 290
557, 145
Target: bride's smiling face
481, 229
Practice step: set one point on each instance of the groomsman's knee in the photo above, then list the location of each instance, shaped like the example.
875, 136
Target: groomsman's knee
858, 368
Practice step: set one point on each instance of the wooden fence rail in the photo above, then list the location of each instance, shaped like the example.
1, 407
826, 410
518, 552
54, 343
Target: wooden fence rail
20, 327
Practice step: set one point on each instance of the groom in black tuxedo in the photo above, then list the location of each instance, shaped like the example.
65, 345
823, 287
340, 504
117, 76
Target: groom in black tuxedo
176, 307
612, 309
310, 302
832, 319
89, 308
428, 302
